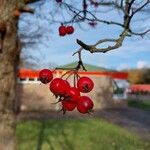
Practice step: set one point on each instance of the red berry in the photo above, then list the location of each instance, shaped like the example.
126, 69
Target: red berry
67, 83
62, 30
69, 29
68, 105
72, 94
85, 84
58, 1
85, 104
58, 86
45, 76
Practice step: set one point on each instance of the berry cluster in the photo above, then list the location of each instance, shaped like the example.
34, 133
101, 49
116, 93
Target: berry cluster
63, 30
69, 96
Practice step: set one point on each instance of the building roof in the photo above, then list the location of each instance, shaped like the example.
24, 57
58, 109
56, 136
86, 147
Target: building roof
88, 67
27, 73
140, 87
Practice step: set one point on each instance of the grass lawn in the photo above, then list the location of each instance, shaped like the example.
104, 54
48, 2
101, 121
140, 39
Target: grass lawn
92, 134
139, 104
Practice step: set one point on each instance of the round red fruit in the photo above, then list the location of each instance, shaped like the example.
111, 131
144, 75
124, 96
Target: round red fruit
62, 30
45, 76
58, 86
67, 83
68, 105
69, 29
72, 94
85, 104
85, 84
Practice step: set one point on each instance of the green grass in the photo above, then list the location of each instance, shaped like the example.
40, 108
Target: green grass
93, 134
139, 104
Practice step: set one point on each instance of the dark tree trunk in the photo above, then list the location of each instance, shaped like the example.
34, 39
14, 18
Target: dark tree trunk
9, 59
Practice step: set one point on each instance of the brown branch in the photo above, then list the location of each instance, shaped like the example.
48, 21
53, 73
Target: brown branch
117, 42
83, 18
112, 4
127, 10
121, 4
92, 48
140, 8
140, 34
30, 1
84, 7
104, 21
79, 66
26, 9
130, 4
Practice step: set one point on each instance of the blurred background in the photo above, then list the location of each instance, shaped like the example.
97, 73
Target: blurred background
121, 94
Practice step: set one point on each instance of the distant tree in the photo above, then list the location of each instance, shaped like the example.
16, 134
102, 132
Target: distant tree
146, 77
139, 76
135, 75
33, 63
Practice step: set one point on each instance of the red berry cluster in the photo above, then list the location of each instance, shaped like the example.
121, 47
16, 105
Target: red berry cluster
63, 30
69, 96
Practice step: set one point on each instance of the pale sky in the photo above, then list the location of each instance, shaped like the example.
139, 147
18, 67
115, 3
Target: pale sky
135, 52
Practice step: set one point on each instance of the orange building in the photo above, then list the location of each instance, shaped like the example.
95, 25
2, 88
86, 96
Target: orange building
31, 76
36, 96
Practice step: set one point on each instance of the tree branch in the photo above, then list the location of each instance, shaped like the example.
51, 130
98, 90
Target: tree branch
26, 9
92, 48
112, 4
140, 34
82, 18
140, 8
30, 1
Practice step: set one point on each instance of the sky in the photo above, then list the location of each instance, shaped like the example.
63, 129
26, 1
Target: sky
51, 48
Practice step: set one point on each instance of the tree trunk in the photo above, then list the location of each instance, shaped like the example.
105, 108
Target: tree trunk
9, 58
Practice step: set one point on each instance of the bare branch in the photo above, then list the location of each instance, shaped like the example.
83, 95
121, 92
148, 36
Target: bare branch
92, 48
118, 42
26, 9
140, 8
121, 4
112, 4
83, 18
30, 1
140, 34
82, 14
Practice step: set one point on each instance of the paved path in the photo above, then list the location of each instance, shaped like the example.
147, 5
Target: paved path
133, 119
